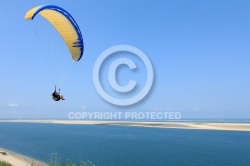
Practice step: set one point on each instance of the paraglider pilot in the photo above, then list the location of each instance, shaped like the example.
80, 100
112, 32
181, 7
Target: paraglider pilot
57, 95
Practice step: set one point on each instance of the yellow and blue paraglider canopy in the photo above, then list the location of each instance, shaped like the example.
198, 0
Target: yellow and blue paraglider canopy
64, 23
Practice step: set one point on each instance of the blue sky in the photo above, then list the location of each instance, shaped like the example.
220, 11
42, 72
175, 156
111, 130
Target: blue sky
199, 50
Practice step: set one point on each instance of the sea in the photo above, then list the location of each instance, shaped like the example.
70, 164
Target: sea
105, 145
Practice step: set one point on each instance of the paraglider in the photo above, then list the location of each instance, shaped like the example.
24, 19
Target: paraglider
67, 28
57, 95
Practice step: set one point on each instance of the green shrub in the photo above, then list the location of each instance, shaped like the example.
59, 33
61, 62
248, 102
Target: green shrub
2, 163
55, 161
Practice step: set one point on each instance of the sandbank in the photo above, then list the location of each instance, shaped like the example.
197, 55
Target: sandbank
176, 125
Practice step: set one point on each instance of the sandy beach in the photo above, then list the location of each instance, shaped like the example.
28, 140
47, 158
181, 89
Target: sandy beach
17, 159
177, 125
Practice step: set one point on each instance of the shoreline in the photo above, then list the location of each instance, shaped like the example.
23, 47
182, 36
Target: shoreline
16, 159
176, 125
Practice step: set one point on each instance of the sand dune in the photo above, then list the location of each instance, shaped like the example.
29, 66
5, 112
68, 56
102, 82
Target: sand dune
17, 160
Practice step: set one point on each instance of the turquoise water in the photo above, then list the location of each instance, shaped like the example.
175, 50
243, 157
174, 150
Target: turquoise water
127, 146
